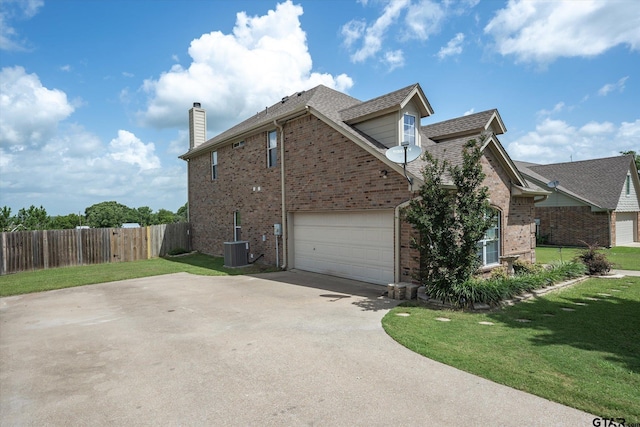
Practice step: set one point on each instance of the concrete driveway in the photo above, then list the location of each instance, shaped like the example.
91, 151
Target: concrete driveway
287, 348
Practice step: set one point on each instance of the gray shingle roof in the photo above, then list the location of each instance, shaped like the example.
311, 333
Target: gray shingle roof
598, 182
472, 123
336, 107
324, 99
382, 103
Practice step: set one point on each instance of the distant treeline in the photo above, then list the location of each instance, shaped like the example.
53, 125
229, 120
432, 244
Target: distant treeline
99, 215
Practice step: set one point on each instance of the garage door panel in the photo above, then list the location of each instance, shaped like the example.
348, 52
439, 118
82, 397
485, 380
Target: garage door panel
626, 227
354, 245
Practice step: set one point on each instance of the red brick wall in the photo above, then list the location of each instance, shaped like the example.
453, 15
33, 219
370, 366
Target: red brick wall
518, 230
573, 225
324, 171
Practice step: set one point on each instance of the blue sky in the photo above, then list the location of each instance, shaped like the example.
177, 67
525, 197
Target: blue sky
94, 95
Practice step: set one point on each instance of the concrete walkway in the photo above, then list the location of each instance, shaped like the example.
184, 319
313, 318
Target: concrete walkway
626, 272
287, 348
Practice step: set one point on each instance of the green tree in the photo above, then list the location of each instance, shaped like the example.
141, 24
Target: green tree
62, 222
183, 213
6, 220
107, 214
635, 155
449, 222
165, 216
33, 218
144, 216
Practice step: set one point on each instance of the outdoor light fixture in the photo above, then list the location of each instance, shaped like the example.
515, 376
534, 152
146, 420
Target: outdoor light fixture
384, 173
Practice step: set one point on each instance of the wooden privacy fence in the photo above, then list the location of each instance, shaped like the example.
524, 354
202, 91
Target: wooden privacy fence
37, 250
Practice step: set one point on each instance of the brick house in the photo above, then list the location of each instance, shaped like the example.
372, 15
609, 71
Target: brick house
315, 163
592, 201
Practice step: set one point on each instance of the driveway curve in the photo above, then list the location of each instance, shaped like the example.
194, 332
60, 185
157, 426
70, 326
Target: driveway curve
288, 348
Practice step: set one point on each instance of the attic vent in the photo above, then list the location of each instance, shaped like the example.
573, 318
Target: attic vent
285, 99
300, 93
196, 105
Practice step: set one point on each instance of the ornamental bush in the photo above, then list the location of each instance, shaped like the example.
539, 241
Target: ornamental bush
494, 290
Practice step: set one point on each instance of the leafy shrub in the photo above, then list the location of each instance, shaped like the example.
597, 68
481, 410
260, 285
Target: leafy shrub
595, 260
493, 290
499, 273
178, 251
526, 267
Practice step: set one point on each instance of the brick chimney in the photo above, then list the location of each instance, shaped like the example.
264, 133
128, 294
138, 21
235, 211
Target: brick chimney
197, 126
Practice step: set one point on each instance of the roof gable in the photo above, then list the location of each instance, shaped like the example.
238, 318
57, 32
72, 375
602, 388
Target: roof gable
386, 104
471, 124
598, 182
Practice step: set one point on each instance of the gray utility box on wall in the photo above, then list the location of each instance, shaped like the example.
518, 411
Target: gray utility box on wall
236, 254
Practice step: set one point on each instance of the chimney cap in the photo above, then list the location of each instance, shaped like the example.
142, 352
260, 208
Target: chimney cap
196, 105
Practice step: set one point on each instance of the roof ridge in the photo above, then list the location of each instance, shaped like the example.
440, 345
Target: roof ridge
492, 110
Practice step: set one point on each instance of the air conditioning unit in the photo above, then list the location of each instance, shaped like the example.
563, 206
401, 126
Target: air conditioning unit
236, 254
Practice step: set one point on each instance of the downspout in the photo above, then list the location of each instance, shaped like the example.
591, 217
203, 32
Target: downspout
396, 246
283, 197
610, 234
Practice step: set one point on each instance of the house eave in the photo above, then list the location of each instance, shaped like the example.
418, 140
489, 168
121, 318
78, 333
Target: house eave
417, 180
265, 124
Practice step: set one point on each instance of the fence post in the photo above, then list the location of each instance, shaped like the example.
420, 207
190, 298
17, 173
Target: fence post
45, 249
148, 230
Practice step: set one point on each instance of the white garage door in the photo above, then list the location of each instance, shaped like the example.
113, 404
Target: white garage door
625, 227
356, 245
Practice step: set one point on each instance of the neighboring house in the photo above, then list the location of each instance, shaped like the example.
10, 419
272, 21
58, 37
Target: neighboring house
315, 164
592, 201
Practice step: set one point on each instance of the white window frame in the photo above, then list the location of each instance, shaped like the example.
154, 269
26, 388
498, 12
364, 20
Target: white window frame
272, 149
409, 129
493, 234
237, 226
214, 165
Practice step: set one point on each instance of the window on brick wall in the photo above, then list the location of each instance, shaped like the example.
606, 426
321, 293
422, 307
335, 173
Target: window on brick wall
214, 165
272, 149
489, 246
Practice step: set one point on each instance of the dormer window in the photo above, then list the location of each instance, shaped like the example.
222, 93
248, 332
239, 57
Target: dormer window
409, 129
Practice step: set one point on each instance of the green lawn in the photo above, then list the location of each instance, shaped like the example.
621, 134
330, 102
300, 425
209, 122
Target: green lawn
624, 258
588, 358
58, 278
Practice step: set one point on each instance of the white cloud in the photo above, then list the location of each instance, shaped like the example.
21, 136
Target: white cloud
394, 59
469, 112
30, 111
423, 19
555, 141
235, 75
610, 87
11, 10
129, 149
373, 35
544, 31
75, 169
629, 133
556, 109
453, 47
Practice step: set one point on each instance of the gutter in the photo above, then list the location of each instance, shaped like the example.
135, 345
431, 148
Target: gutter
609, 227
282, 196
251, 130
283, 191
